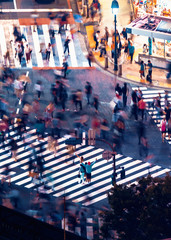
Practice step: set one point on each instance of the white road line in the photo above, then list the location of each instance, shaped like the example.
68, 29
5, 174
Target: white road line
37, 48
47, 41
72, 49
59, 45
23, 30
16, 62
15, 4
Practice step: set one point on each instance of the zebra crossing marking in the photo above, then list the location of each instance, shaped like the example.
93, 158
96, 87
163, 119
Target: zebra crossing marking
63, 175
36, 37
148, 95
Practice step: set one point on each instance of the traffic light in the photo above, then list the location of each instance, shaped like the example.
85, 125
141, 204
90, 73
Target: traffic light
73, 141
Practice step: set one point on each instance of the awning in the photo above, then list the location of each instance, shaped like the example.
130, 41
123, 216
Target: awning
151, 26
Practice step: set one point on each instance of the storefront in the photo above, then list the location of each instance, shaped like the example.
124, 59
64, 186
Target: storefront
155, 32
156, 7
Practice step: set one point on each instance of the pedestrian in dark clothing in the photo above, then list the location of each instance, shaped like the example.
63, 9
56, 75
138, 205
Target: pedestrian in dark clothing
83, 221
131, 51
14, 147
169, 71
140, 131
88, 91
40, 162
66, 45
63, 97
118, 89
65, 67
134, 96
96, 39
90, 58
79, 99
150, 68
134, 111
125, 93
102, 47
124, 33
122, 172
96, 103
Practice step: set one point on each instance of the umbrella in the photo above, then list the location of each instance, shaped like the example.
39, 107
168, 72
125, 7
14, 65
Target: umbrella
77, 18
24, 78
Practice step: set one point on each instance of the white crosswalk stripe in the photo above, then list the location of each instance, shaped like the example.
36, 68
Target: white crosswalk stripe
149, 95
61, 174
38, 38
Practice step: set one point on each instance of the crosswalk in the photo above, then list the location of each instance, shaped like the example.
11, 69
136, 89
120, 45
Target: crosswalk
148, 95
62, 175
38, 38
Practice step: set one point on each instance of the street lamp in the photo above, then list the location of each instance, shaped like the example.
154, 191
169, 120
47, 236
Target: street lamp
115, 10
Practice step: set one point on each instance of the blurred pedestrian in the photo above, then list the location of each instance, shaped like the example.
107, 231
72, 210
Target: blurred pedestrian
118, 89
142, 69
96, 103
79, 97
65, 67
38, 88
90, 58
14, 147
106, 35
122, 172
125, 93
131, 51
150, 66
169, 128
48, 51
28, 52
140, 131
142, 107
66, 45
88, 91
163, 128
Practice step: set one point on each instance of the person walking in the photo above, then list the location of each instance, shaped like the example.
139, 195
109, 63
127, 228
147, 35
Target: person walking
142, 68
106, 35
88, 91
88, 168
96, 103
65, 67
131, 51
38, 87
90, 58
142, 107
79, 97
28, 52
20, 52
66, 45
125, 93
150, 66
82, 170
14, 147
96, 39
169, 128
163, 128
48, 51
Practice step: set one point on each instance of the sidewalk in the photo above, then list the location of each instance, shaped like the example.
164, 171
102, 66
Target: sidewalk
130, 72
